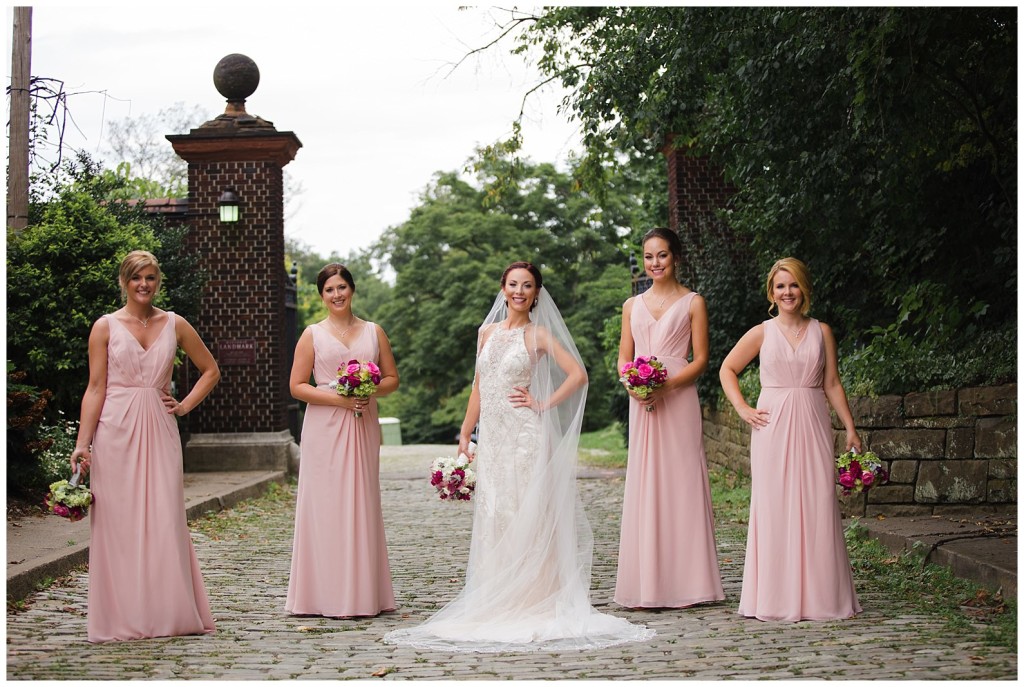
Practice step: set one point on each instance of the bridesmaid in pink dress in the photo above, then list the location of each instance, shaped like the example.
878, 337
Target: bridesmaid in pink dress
796, 566
144, 579
339, 555
667, 553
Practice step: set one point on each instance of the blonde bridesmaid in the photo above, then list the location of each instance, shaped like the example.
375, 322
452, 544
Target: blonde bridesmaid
339, 554
796, 565
667, 552
144, 578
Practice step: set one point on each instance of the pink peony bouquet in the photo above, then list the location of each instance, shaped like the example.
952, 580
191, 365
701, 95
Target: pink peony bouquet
69, 499
453, 478
357, 378
643, 375
858, 472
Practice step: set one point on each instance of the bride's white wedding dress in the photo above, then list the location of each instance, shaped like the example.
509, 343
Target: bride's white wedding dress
528, 576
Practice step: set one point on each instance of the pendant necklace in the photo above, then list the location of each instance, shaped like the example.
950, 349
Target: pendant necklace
662, 303
798, 332
341, 334
144, 323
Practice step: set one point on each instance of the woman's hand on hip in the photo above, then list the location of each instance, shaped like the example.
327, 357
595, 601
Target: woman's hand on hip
755, 417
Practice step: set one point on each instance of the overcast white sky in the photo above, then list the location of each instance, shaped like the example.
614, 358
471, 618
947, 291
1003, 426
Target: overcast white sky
367, 88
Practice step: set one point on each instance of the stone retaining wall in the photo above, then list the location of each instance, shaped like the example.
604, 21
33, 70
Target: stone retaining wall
947, 451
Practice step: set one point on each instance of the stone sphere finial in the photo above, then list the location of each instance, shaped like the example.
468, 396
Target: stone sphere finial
236, 77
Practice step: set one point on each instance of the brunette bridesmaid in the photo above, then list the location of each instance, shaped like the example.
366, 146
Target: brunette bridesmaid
144, 579
796, 565
667, 552
339, 554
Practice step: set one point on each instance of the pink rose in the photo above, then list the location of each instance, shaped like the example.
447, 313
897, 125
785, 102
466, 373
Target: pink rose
867, 478
847, 480
626, 367
352, 368
643, 359
436, 478
61, 510
644, 370
372, 367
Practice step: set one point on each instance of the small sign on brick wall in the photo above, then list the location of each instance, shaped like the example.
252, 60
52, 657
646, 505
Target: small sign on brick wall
236, 352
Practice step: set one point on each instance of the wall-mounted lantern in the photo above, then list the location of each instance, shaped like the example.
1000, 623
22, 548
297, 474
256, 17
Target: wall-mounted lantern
228, 204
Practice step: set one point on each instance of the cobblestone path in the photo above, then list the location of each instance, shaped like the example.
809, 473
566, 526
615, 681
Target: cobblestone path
245, 555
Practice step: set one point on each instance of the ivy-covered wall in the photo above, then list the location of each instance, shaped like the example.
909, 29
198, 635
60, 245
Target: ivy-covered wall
947, 452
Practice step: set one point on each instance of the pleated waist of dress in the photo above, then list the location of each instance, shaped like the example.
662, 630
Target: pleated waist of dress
672, 362
793, 388
130, 387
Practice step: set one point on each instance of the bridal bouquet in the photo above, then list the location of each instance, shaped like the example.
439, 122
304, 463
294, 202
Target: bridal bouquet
643, 375
453, 478
69, 500
357, 379
858, 472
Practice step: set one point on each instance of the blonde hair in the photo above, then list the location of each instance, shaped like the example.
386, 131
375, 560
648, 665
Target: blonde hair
803, 279
134, 263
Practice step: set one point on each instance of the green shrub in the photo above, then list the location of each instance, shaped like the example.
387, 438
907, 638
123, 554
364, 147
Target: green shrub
934, 343
26, 409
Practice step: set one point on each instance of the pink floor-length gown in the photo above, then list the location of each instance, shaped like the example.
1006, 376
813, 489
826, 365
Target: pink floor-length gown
144, 578
667, 552
796, 565
339, 554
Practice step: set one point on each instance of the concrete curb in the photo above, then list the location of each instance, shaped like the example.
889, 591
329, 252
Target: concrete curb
23, 583
249, 490
974, 550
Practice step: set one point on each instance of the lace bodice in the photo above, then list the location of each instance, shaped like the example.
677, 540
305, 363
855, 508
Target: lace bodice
508, 436
504, 363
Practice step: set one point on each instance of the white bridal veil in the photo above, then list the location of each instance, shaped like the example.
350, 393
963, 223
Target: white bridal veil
530, 589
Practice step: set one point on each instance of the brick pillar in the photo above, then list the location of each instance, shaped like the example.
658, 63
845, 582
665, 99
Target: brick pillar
243, 424
696, 191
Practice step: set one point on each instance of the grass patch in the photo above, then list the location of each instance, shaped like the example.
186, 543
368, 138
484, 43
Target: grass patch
253, 511
604, 448
730, 497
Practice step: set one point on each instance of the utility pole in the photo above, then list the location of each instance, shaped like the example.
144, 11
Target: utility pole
17, 171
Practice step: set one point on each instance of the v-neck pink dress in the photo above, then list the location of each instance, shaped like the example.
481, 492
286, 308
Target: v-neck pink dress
144, 578
339, 553
796, 566
667, 552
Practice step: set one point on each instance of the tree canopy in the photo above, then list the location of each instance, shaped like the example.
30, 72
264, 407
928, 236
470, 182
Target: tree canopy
876, 144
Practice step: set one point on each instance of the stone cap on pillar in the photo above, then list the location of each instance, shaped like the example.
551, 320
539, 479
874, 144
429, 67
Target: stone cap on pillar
236, 134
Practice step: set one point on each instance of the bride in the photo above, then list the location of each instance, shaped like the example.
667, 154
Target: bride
528, 577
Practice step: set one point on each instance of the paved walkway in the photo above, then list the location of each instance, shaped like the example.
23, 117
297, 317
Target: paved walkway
245, 556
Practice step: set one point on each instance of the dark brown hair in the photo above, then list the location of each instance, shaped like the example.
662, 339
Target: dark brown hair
670, 237
529, 267
522, 265
328, 271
